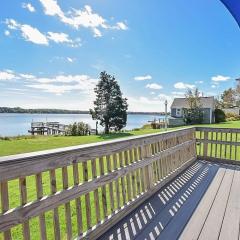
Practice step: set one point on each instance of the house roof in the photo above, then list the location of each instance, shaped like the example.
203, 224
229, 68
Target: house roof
206, 102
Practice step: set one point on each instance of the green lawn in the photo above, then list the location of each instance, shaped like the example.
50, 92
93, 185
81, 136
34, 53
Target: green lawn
21, 145
38, 143
233, 124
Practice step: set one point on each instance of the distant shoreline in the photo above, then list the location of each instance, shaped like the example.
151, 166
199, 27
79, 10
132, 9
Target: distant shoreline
61, 111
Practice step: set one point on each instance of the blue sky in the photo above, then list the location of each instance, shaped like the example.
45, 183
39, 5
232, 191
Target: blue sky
53, 51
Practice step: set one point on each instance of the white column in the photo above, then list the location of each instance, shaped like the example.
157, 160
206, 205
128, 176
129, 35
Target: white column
166, 115
211, 115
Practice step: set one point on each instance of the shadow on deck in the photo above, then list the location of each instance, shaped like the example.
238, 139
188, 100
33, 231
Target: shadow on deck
183, 205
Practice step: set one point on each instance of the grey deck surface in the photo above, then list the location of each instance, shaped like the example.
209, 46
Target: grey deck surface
201, 203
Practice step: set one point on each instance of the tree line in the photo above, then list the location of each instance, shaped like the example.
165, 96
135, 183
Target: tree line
40, 111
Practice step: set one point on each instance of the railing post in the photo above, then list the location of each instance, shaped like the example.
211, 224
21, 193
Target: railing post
205, 144
148, 170
194, 132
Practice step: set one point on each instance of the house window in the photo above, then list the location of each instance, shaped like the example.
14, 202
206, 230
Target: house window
178, 112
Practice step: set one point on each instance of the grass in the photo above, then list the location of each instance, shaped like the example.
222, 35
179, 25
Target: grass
232, 124
27, 144
38, 143
30, 144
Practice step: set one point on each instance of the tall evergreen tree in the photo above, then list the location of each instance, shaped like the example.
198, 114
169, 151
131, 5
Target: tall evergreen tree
110, 108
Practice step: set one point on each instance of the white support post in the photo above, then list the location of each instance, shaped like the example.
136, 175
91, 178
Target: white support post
166, 115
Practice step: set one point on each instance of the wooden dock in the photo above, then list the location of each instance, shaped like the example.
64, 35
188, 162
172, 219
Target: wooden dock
48, 128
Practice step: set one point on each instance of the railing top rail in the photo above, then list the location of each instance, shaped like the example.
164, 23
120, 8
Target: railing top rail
103, 145
218, 129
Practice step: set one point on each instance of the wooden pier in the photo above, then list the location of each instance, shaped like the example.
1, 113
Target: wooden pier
48, 128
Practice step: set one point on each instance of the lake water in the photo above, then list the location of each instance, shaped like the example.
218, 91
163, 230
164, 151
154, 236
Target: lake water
12, 124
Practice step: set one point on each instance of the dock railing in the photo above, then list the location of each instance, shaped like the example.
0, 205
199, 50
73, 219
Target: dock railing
84, 190
218, 144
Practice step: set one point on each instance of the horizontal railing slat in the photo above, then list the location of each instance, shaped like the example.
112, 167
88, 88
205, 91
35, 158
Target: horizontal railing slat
23, 165
218, 142
219, 130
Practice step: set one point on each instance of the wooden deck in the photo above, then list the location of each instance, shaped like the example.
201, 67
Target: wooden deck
201, 203
181, 184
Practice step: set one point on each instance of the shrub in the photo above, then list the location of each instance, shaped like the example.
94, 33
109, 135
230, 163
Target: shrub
219, 116
146, 126
193, 116
136, 129
232, 117
5, 138
78, 129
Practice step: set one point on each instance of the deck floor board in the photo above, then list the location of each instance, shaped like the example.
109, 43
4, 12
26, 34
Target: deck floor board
201, 203
193, 228
213, 223
232, 214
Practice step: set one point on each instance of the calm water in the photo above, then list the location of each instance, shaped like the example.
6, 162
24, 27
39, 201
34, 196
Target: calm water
19, 124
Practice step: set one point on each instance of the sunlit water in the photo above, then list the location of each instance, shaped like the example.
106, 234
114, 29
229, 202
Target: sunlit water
19, 124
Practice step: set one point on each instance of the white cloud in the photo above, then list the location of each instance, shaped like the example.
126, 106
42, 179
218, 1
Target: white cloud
64, 83
33, 35
27, 76
164, 97
62, 59
147, 104
178, 94
7, 75
10, 75
58, 84
97, 32
71, 60
12, 24
59, 37
28, 6
213, 86
7, 33
220, 78
28, 32
51, 8
154, 86
78, 18
199, 82
143, 78
181, 85
122, 26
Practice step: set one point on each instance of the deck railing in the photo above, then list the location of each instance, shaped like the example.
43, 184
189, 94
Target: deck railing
82, 191
218, 144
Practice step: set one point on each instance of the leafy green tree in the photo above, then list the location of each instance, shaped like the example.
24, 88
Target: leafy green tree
228, 98
238, 95
110, 108
193, 114
74, 129
78, 129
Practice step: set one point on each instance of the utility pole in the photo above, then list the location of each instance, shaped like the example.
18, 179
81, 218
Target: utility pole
166, 115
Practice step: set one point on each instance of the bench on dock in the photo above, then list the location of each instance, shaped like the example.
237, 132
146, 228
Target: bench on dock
179, 184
